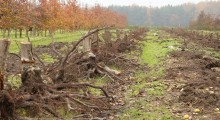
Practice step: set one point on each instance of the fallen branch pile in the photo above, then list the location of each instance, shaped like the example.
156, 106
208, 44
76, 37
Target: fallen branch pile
40, 97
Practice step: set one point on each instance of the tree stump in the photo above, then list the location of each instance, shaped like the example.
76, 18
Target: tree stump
32, 81
96, 38
107, 36
118, 34
95, 42
27, 58
90, 58
4, 45
87, 43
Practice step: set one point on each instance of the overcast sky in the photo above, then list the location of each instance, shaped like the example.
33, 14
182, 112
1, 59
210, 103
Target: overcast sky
153, 3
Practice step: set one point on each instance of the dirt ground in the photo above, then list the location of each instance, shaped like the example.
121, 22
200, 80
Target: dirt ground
194, 82
210, 40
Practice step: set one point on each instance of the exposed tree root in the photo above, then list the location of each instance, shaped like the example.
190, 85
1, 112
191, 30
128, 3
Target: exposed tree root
39, 97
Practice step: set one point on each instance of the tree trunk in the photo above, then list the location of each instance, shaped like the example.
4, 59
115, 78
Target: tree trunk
15, 33
53, 41
34, 32
38, 33
4, 45
27, 33
20, 30
45, 33
4, 31
42, 33
9, 31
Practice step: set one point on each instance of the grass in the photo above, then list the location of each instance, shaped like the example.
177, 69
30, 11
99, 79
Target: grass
66, 115
14, 81
148, 107
149, 114
39, 40
47, 58
99, 81
156, 50
212, 52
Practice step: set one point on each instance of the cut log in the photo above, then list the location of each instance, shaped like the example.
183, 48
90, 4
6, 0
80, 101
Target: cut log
27, 58
4, 45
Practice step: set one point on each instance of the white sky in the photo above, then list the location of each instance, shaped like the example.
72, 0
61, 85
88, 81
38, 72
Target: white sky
153, 3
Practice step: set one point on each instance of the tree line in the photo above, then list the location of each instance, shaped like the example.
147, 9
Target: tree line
206, 21
179, 15
37, 17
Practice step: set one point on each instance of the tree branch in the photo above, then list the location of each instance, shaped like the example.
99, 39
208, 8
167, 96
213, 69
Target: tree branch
74, 85
63, 62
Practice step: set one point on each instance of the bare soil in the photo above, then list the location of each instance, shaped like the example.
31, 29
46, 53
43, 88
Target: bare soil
194, 80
